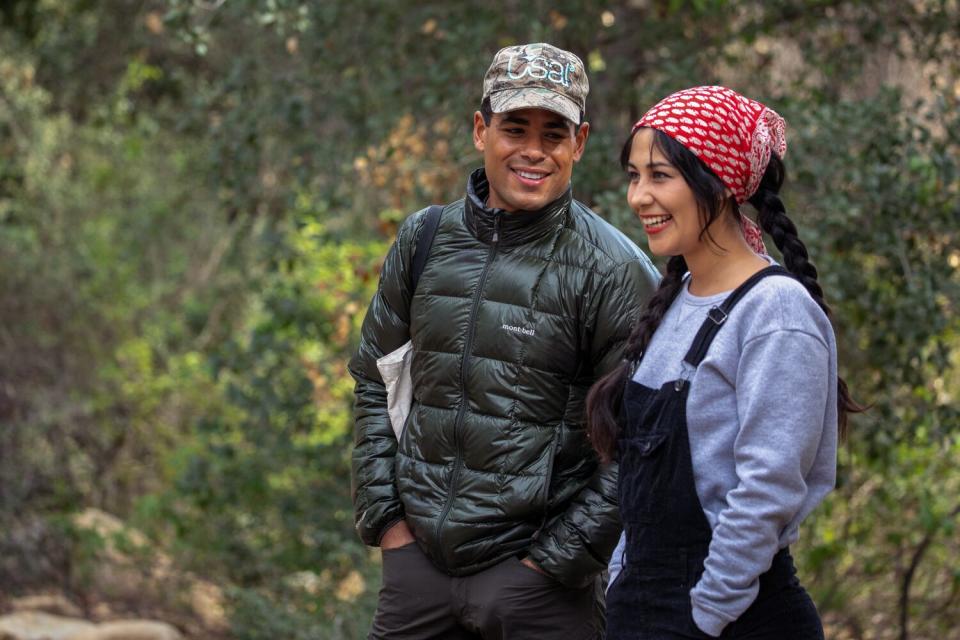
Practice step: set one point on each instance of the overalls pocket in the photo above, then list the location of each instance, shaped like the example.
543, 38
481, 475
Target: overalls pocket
641, 462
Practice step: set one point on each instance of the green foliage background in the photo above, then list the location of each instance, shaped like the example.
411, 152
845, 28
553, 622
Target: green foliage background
195, 197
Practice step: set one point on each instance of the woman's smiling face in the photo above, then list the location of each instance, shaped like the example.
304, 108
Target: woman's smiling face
662, 200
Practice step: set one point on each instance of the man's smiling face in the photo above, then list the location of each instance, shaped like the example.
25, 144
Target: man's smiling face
528, 156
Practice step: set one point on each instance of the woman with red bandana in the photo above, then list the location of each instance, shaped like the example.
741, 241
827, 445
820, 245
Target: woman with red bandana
724, 417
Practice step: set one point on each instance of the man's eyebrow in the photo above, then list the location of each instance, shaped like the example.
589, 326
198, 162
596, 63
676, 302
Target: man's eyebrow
559, 123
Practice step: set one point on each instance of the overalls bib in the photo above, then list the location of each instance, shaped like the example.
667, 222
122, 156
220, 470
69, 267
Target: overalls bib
667, 533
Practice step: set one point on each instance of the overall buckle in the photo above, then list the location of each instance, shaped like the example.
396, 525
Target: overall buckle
717, 315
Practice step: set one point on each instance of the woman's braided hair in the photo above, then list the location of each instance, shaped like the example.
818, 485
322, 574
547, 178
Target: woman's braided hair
772, 216
606, 395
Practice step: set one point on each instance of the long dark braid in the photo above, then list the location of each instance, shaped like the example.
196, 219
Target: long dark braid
772, 216
605, 396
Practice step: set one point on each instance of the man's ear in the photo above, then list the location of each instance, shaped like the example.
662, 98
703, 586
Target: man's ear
479, 131
580, 141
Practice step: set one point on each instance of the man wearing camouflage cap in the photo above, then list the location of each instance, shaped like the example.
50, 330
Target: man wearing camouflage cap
493, 514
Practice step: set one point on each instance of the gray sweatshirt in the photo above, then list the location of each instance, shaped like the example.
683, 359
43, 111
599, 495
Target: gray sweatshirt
762, 422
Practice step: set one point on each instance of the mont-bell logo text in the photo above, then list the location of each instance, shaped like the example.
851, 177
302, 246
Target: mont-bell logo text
539, 67
523, 330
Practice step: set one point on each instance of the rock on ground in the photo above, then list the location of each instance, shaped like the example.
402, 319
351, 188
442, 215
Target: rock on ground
37, 625
54, 603
130, 630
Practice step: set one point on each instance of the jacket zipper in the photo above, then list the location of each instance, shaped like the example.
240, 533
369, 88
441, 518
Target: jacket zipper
457, 463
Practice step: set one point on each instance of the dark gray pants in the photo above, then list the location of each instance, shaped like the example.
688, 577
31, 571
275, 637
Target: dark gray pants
508, 601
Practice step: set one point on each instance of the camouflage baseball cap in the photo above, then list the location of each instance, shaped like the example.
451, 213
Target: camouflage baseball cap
537, 75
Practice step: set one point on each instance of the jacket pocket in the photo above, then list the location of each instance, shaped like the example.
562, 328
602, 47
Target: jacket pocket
555, 445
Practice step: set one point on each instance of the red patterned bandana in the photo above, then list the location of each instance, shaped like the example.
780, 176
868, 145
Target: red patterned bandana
730, 133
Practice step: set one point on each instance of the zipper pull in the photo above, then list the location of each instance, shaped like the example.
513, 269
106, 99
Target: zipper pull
496, 228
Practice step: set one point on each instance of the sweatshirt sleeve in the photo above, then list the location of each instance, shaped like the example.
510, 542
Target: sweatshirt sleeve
618, 561
782, 389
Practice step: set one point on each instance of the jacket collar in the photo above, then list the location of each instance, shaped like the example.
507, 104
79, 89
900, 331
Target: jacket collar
514, 228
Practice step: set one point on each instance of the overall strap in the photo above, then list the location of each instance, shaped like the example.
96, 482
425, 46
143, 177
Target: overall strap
718, 315
430, 223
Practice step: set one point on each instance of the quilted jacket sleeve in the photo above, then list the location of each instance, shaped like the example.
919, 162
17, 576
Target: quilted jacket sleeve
577, 546
386, 326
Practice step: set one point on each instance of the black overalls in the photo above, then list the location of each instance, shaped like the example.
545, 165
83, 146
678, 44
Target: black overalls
667, 532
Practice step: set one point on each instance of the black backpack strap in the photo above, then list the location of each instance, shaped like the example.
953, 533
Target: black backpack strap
425, 240
718, 315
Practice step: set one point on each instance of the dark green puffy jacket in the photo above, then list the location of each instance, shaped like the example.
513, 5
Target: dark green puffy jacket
514, 317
